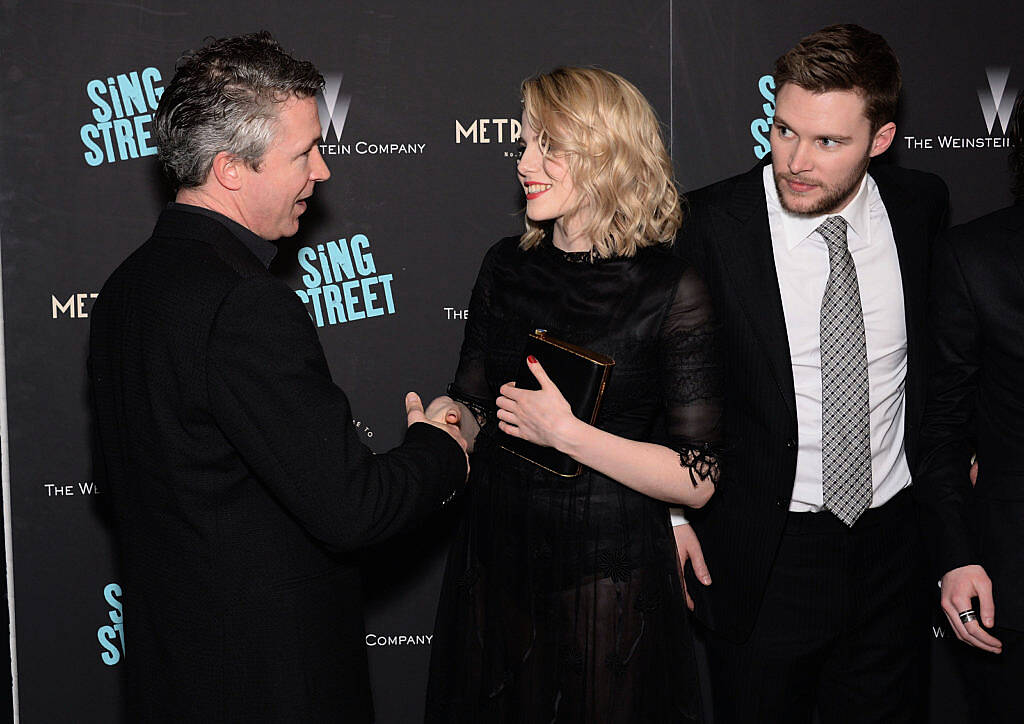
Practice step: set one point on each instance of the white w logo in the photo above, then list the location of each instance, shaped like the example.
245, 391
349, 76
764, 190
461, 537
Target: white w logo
333, 105
996, 100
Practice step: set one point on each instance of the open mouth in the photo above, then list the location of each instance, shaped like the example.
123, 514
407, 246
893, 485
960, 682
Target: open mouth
535, 190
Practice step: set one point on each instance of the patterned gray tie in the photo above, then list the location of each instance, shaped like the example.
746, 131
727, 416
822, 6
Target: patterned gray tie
845, 412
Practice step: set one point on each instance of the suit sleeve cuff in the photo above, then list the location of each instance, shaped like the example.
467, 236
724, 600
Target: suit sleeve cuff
449, 469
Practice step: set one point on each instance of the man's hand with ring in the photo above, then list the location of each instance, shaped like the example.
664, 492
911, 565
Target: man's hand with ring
959, 586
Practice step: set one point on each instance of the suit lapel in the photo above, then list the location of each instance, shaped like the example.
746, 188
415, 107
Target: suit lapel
910, 229
746, 246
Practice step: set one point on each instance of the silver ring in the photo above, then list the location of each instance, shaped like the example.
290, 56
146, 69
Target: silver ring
968, 616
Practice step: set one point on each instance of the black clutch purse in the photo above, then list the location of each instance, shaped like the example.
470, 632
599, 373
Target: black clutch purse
580, 375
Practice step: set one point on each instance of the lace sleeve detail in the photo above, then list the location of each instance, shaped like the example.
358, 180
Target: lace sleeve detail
470, 386
482, 414
702, 462
691, 379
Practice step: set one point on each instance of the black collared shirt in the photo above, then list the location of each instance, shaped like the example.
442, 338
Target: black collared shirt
262, 249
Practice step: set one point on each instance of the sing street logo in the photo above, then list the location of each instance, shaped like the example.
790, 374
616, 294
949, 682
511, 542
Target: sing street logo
123, 108
111, 636
760, 128
341, 283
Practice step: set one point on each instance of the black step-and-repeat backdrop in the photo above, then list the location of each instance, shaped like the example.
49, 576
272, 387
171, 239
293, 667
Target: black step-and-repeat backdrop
419, 116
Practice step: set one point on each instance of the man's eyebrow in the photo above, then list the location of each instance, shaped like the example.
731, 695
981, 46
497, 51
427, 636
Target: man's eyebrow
314, 142
833, 136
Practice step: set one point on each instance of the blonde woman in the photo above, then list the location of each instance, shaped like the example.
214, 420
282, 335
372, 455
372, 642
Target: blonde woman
562, 599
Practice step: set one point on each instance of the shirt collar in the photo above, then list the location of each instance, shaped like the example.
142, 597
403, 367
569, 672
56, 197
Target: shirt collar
262, 249
799, 228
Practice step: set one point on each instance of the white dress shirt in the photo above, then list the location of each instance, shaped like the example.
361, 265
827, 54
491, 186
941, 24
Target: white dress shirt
801, 261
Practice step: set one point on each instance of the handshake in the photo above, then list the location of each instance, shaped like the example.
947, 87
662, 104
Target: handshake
448, 415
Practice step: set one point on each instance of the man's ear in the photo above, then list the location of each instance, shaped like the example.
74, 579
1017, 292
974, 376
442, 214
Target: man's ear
227, 170
883, 139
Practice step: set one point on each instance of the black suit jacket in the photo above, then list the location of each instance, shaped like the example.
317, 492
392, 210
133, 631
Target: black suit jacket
976, 402
728, 238
239, 483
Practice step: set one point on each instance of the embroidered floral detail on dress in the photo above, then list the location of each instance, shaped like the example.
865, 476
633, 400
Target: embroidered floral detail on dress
542, 551
648, 601
571, 657
577, 257
468, 579
615, 565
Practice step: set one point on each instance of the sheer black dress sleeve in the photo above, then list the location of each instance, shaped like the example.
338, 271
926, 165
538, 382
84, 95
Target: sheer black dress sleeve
691, 378
470, 386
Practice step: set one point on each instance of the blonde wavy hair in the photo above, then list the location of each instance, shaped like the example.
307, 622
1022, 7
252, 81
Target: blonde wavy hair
611, 142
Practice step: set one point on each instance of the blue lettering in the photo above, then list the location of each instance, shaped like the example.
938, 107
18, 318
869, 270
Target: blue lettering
341, 261
141, 135
122, 106
125, 140
107, 637
332, 299
364, 262
385, 279
115, 98
132, 96
111, 593
766, 84
351, 301
94, 156
153, 93
312, 278
314, 295
758, 129
104, 128
102, 110
369, 296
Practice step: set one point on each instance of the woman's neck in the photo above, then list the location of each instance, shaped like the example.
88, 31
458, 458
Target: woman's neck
570, 237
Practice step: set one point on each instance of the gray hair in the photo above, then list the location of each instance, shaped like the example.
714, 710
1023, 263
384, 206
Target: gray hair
224, 97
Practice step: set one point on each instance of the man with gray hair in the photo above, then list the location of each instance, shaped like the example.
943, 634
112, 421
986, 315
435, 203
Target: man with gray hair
239, 483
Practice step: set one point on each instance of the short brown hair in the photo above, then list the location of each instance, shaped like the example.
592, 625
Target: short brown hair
846, 57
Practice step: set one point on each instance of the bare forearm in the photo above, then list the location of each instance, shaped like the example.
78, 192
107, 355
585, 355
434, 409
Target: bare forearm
653, 470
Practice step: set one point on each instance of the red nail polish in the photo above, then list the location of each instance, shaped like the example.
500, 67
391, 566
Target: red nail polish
531, 359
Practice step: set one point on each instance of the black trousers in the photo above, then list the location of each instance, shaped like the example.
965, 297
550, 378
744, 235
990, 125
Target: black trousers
842, 631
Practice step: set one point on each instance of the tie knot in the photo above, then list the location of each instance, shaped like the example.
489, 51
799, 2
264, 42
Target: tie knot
833, 231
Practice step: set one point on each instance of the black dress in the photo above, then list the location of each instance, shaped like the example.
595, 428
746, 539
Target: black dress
562, 600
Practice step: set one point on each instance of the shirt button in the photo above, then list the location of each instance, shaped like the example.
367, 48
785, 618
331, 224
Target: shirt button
791, 443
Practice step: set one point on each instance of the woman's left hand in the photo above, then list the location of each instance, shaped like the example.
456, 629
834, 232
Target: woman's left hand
538, 416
